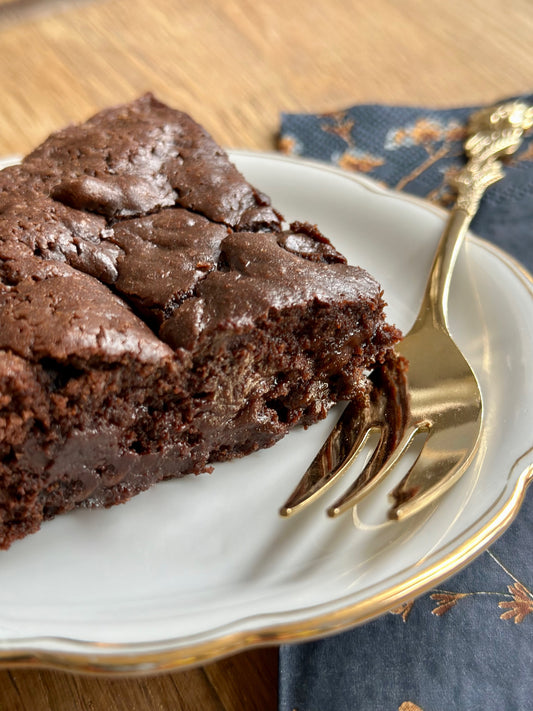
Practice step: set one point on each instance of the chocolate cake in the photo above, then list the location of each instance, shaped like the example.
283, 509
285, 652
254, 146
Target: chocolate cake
157, 315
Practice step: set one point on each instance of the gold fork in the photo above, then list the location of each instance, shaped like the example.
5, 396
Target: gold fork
439, 395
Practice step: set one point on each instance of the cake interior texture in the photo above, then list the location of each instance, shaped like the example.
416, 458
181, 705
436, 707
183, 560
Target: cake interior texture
157, 315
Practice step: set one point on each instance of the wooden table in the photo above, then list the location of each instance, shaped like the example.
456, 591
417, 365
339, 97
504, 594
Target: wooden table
234, 65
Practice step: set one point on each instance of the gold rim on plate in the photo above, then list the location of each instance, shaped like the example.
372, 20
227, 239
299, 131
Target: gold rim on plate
172, 654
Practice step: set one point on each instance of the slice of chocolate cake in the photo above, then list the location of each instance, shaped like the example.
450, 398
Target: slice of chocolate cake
156, 316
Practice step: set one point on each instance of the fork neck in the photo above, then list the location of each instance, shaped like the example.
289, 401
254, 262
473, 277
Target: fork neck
434, 304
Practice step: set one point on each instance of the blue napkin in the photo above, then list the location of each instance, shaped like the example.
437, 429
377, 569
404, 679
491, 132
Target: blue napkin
468, 644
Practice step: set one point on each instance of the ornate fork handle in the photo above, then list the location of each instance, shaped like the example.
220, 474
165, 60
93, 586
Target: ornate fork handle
494, 132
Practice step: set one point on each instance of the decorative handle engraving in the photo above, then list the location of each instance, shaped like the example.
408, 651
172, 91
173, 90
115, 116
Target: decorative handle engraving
494, 133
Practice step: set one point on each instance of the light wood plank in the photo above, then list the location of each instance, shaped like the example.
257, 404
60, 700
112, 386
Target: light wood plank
236, 64
28, 690
246, 682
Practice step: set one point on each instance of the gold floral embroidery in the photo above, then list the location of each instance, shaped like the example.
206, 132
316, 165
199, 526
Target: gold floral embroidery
424, 132
455, 132
287, 145
433, 157
359, 162
517, 607
339, 125
409, 706
520, 606
403, 610
400, 136
438, 139
446, 602
438, 144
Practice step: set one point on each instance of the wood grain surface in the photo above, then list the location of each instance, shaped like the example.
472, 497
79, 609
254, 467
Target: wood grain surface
235, 65
245, 682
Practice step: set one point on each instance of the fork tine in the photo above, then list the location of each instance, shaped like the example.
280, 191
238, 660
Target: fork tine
339, 450
431, 474
387, 408
383, 459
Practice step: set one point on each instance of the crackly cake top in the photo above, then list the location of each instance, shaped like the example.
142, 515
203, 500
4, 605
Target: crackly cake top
134, 234
141, 157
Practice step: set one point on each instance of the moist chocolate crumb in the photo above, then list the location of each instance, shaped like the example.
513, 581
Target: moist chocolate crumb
157, 316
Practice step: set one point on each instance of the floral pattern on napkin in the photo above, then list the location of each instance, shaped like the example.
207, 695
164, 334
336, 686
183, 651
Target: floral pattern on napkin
517, 601
418, 150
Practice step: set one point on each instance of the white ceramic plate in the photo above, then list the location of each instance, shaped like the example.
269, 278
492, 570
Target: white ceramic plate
204, 566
